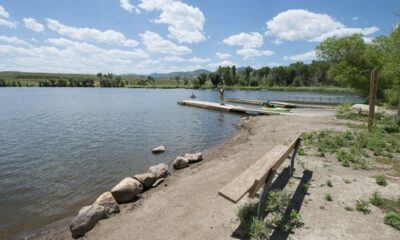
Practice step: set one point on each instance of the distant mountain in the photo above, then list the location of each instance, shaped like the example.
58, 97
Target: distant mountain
194, 73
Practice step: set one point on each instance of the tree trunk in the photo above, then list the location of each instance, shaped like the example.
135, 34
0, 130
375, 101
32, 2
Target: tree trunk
398, 112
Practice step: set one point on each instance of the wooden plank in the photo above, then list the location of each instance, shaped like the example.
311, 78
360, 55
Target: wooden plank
226, 107
248, 101
282, 104
236, 189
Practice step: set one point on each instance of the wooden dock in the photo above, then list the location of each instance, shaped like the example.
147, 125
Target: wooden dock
261, 102
226, 108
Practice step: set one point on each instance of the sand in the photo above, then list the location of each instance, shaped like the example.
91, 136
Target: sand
188, 206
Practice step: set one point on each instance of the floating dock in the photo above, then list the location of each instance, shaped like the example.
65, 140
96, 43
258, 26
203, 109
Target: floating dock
226, 108
261, 102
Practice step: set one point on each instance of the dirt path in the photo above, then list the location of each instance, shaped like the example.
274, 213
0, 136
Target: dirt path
189, 207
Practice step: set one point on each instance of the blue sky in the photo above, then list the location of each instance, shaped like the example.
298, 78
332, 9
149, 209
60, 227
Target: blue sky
146, 36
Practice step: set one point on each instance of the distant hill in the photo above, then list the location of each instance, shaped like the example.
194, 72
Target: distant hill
194, 73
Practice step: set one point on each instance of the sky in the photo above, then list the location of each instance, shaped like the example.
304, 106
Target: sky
147, 36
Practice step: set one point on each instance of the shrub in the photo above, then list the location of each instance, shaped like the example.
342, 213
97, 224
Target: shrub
294, 221
363, 206
329, 183
392, 219
246, 212
376, 199
258, 229
381, 180
277, 201
328, 197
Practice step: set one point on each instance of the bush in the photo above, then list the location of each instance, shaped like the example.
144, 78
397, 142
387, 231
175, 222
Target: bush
376, 199
277, 201
392, 219
328, 197
363, 206
258, 229
294, 221
381, 180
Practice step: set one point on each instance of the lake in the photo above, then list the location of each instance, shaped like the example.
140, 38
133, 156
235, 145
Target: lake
62, 147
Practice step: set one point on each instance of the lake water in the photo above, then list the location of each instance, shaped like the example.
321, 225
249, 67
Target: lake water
62, 147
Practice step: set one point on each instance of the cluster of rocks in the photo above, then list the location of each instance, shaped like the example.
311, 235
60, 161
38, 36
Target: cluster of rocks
107, 203
126, 191
184, 161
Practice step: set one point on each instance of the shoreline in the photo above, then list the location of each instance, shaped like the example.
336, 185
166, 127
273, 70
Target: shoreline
59, 227
231, 146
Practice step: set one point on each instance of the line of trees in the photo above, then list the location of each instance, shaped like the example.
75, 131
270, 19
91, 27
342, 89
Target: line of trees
67, 82
296, 75
110, 80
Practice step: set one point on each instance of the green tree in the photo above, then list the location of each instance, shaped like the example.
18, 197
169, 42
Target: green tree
215, 79
352, 60
202, 78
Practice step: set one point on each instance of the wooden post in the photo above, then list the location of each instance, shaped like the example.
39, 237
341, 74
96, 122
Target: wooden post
262, 200
398, 112
373, 87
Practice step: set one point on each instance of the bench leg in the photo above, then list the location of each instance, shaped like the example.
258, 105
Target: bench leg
263, 197
293, 156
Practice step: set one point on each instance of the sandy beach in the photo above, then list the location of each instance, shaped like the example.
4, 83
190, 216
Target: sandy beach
188, 206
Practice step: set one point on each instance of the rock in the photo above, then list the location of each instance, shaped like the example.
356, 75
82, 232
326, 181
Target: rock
158, 149
87, 217
158, 182
159, 170
180, 162
194, 157
363, 109
126, 190
147, 179
108, 202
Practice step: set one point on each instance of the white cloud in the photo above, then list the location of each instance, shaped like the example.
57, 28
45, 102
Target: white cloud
14, 41
127, 6
173, 59
185, 22
110, 37
342, 32
248, 53
3, 12
63, 55
222, 63
34, 25
302, 57
199, 60
155, 43
223, 56
300, 24
7, 23
355, 18
246, 40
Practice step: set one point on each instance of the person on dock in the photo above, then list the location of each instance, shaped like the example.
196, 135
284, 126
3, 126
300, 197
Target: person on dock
221, 96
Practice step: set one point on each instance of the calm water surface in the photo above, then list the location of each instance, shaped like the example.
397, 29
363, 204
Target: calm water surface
62, 147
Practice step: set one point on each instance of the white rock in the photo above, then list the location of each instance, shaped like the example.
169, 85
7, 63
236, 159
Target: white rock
147, 179
180, 162
158, 149
86, 219
108, 202
158, 182
126, 190
159, 170
193, 157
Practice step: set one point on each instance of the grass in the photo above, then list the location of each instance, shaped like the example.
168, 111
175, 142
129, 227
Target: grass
328, 197
277, 204
376, 199
305, 186
381, 180
363, 206
348, 208
329, 183
392, 219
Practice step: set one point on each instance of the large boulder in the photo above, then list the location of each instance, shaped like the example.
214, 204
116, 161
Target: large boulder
193, 157
147, 179
158, 149
363, 109
180, 162
108, 202
126, 190
87, 217
159, 170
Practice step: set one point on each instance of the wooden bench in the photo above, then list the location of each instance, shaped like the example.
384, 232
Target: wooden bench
261, 173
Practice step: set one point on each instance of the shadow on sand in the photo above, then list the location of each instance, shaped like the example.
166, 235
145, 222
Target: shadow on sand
295, 202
